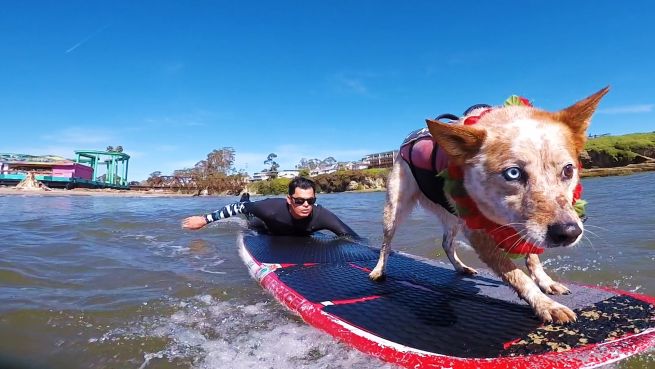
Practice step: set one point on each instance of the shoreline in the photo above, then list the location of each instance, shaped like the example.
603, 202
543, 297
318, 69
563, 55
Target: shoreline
618, 171
89, 192
586, 173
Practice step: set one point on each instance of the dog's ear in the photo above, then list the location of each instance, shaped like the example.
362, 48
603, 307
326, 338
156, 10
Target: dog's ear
458, 141
578, 116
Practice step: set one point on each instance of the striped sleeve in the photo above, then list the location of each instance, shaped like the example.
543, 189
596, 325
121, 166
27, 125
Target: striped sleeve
226, 212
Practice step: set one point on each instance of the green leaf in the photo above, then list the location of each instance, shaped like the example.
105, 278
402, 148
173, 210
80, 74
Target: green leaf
512, 100
579, 207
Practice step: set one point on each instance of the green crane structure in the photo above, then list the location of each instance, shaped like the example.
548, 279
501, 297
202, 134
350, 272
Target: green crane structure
116, 163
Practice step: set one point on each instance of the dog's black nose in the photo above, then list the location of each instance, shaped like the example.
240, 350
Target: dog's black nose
563, 233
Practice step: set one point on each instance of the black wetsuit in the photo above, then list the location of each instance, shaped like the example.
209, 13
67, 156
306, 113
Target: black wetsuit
274, 214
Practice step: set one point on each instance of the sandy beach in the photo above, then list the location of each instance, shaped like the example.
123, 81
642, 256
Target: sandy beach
89, 192
5, 191
618, 171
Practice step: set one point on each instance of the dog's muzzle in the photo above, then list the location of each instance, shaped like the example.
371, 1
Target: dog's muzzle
563, 234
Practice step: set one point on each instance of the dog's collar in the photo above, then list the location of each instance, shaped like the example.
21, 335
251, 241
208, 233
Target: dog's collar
504, 236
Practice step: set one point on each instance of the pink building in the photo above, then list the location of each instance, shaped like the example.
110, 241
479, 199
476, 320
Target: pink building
72, 170
91, 169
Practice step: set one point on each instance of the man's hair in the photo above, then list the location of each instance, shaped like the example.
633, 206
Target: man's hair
301, 182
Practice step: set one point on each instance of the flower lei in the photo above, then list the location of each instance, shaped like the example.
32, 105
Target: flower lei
504, 236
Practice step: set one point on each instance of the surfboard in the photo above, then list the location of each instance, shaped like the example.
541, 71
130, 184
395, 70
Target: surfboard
425, 315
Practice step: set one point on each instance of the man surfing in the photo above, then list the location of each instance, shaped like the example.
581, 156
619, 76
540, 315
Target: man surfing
296, 215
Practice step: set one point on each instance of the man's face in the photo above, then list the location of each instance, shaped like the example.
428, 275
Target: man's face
299, 202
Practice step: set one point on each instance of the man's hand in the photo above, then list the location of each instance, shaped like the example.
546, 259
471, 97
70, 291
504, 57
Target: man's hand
194, 222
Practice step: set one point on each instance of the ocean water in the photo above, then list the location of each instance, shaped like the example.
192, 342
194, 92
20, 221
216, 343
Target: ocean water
114, 282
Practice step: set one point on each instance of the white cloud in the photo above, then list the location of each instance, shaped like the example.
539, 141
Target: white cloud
195, 124
64, 151
134, 154
182, 164
628, 109
196, 118
86, 39
351, 83
166, 148
172, 67
79, 136
354, 85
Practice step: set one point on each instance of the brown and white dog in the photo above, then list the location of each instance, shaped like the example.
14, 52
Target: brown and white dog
520, 168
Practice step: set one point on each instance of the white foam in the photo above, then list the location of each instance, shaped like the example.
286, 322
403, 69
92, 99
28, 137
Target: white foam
221, 334
463, 245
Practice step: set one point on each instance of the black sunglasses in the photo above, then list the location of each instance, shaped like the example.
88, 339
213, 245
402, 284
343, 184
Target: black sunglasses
300, 200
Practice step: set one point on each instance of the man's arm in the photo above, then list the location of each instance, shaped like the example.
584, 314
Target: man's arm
226, 212
199, 221
327, 220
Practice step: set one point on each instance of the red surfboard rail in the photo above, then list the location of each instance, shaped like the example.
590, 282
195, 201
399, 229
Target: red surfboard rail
585, 357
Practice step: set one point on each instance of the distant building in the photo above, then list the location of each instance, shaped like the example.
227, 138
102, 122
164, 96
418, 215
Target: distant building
353, 165
260, 176
57, 172
324, 169
288, 173
381, 159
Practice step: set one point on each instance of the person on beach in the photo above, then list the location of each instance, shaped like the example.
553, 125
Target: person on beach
296, 215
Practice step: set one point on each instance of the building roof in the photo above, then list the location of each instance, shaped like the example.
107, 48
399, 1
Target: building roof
96, 152
32, 159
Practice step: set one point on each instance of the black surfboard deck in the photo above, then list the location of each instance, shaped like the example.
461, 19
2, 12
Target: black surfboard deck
426, 314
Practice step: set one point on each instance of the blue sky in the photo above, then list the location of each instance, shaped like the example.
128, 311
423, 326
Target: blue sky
170, 81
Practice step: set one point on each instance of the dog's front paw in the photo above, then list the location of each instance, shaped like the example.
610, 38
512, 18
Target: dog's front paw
376, 275
555, 288
551, 311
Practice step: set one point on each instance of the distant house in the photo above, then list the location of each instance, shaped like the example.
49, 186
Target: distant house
353, 165
58, 172
288, 173
381, 159
324, 169
260, 176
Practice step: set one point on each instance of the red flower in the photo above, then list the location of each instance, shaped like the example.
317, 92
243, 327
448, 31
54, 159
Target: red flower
525, 101
475, 118
475, 222
455, 172
577, 192
471, 120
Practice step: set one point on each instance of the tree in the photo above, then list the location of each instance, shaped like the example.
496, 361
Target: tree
329, 161
154, 179
221, 161
183, 178
216, 173
309, 164
270, 160
114, 149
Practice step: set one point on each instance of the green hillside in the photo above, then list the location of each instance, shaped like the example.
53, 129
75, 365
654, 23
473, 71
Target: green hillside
610, 151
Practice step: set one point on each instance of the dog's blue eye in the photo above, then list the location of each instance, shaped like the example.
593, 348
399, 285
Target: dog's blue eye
513, 174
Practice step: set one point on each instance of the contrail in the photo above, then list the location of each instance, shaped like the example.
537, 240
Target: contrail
86, 39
